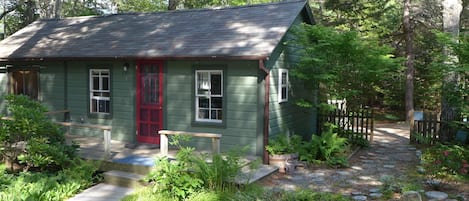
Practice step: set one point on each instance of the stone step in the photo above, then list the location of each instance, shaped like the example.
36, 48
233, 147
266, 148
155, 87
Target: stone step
102, 192
248, 175
132, 168
123, 179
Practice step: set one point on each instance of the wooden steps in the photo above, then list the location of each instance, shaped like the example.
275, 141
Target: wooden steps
248, 175
131, 175
123, 179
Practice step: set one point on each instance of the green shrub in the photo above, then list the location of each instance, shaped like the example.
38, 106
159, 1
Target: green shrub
282, 144
249, 193
360, 142
391, 185
206, 196
31, 139
220, 173
353, 138
26, 186
446, 160
309, 195
421, 139
191, 173
327, 147
146, 194
175, 178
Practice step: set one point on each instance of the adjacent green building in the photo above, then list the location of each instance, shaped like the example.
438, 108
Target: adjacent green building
221, 70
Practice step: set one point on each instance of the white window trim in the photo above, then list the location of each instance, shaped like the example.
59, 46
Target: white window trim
100, 90
197, 119
280, 85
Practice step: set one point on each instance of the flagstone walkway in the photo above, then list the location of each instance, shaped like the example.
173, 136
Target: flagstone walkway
389, 157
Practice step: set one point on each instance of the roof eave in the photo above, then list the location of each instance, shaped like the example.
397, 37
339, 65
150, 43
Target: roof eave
213, 57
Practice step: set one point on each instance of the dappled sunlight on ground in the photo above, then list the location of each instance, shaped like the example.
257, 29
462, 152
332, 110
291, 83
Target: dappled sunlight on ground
389, 155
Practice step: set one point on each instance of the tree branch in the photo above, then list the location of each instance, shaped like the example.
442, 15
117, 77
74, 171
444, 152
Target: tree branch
11, 9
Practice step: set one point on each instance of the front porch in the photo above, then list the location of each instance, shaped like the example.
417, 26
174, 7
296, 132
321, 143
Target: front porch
93, 148
127, 163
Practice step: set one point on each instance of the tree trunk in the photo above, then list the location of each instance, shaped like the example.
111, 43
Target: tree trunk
29, 13
449, 107
409, 63
57, 8
172, 4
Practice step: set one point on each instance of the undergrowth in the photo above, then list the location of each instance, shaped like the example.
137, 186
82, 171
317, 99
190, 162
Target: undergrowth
46, 186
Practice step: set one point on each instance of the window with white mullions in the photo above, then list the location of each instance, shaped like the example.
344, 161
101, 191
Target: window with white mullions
209, 95
282, 85
100, 92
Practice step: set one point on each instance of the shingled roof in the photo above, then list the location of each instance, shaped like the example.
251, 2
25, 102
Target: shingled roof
248, 31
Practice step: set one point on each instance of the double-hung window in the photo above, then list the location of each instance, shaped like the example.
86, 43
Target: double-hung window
209, 96
100, 92
282, 85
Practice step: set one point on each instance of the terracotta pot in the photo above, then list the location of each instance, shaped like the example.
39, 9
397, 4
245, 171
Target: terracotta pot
285, 162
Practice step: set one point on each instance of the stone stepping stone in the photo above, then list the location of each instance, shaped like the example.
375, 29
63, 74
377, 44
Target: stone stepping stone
375, 195
436, 195
318, 180
384, 158
297, 178
389, 166
355, 193
317, 174
288, 187
380, 151
374, 190
370, 165
359, 198
351, 181
365, 178
344, 173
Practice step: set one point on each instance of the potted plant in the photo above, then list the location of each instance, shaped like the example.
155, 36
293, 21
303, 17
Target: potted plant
283, 152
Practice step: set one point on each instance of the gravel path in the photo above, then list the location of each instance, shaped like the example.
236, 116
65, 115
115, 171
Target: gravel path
389, 155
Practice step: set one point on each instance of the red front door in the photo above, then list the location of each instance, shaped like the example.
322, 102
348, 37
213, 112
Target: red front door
149, 101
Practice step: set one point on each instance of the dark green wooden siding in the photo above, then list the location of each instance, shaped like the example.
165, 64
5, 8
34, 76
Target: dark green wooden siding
287, 117
52, 87
122, 117
241, 101
64, 85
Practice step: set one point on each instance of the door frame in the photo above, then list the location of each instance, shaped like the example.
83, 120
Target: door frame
161, 99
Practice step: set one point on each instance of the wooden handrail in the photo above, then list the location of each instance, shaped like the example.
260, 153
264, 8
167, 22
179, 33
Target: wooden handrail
102, 127
164, 139
195, 134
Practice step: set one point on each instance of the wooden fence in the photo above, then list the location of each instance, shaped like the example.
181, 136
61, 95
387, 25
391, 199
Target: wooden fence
352, 123
429, 128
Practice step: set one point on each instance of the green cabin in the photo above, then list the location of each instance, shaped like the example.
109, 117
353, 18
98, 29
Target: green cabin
220, 70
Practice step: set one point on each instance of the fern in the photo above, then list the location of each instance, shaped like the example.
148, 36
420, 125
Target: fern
325, 147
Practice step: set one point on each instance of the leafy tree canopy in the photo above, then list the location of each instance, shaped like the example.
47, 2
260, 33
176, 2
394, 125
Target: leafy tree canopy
346, 65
